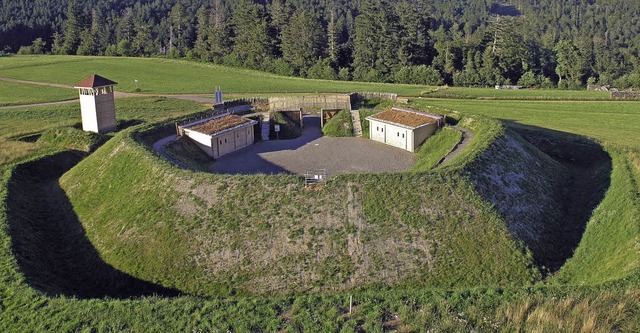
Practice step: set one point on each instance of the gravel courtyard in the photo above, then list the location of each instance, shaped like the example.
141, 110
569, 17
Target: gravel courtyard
313, 151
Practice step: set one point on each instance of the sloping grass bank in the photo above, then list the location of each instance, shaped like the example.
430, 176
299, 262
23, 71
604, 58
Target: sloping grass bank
436, 148
610, 249
335, 126
378, 308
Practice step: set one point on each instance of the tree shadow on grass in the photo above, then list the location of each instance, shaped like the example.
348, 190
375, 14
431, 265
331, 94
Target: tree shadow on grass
49, 242
589, 170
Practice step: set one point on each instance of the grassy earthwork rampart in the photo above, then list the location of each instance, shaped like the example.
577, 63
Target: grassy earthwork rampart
250, 253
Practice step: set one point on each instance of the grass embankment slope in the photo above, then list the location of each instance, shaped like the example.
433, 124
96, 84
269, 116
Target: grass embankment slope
214, 235
405, 308
167, 76
335, 126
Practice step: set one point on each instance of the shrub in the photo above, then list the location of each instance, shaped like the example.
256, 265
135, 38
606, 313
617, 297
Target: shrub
527, 79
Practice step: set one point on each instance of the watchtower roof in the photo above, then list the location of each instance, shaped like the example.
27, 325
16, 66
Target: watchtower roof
95, 81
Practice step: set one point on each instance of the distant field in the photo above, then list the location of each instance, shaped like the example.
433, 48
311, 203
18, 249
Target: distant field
522, 94
157, 75
19, 94
608, 122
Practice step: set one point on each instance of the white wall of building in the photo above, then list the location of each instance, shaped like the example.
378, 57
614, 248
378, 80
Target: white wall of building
203, 141
422, 133
98, 113
227, 142
377, 131
398, 136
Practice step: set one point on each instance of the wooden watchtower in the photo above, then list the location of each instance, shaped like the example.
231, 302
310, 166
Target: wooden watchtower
97, 104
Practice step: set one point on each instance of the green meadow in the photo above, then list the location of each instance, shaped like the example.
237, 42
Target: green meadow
21, 94
612, 122
163, 76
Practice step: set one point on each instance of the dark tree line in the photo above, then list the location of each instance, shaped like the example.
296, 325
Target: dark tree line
564, 43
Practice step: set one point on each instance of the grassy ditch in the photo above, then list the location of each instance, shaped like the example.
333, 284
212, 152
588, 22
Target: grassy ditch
609, 123
609, 247
408, 306
335, 126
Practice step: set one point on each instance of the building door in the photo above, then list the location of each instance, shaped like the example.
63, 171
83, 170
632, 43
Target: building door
241, 138
397, 137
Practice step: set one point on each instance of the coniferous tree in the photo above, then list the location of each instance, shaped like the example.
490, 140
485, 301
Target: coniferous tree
252, 43
202, 46
142, 43
302, 41
570, 66
87, 44
99, 31
179, 29
375, 41
73, 27
220, 37
414, 42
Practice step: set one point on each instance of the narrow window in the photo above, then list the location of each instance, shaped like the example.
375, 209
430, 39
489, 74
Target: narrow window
398, 134
403, 135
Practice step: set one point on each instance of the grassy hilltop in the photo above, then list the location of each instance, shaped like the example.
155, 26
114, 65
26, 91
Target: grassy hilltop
85, 249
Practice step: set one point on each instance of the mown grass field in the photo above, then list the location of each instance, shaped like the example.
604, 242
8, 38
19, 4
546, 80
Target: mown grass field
596, 291
177, 76
611, 122
522, 94
21, 94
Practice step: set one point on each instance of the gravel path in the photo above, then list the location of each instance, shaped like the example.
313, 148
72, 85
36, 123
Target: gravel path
158, 147
466, 138
314, 151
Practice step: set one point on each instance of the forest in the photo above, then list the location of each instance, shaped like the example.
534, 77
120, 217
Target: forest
536, 43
